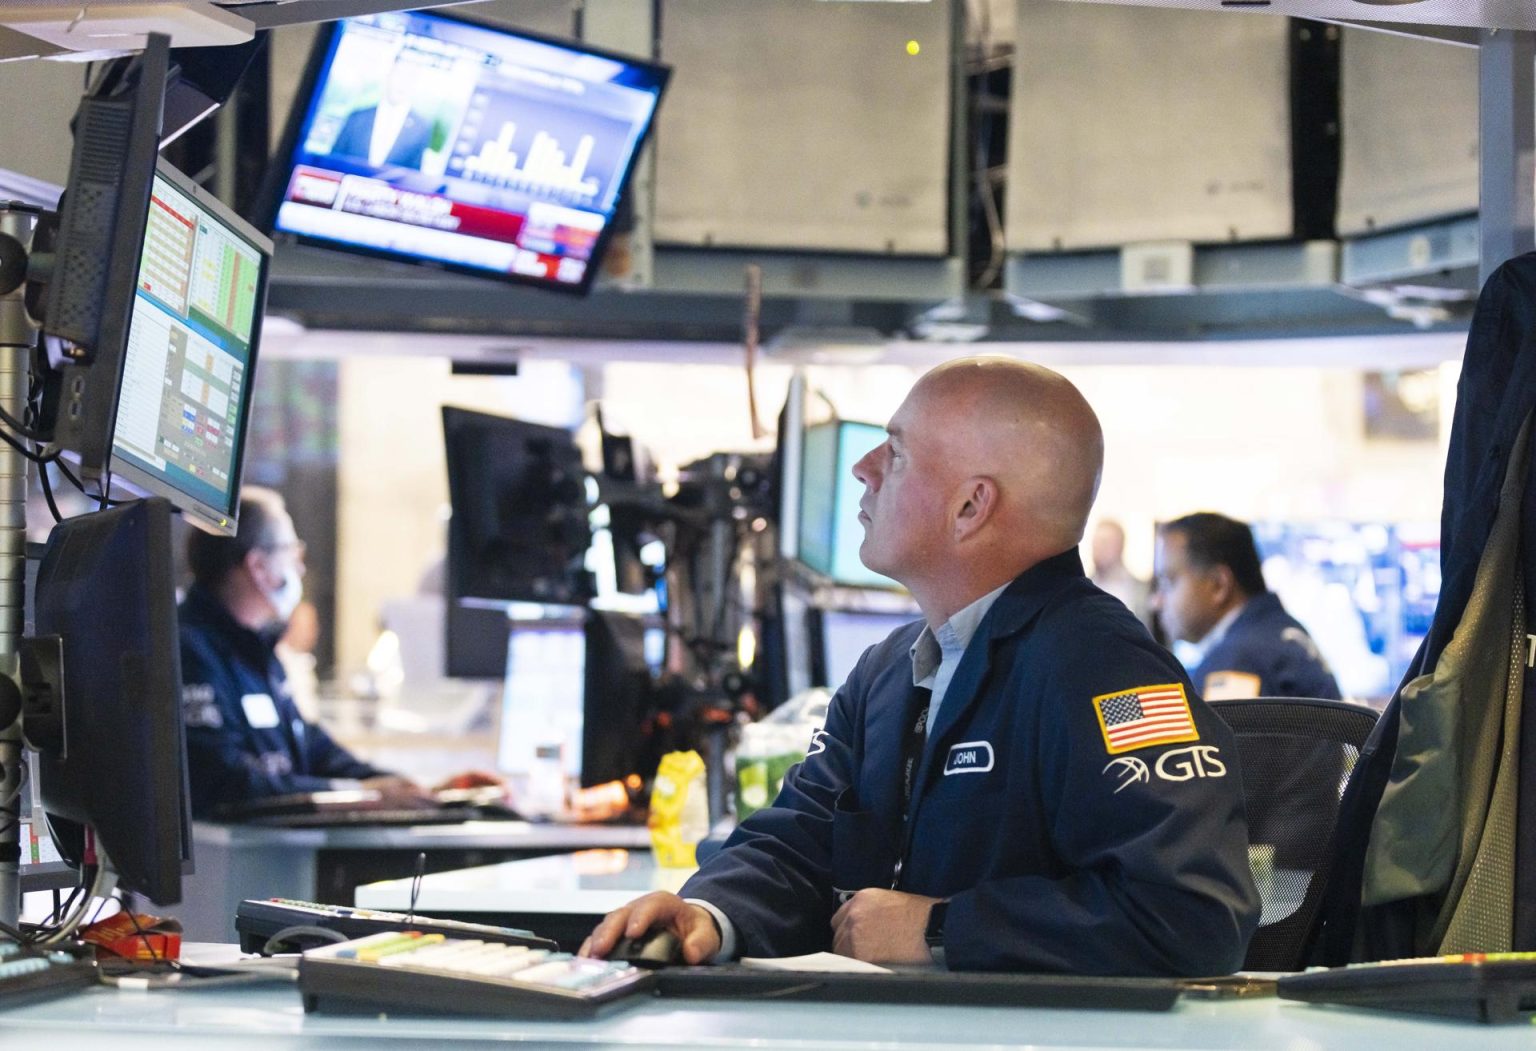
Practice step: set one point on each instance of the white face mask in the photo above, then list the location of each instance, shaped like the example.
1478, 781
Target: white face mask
288, 595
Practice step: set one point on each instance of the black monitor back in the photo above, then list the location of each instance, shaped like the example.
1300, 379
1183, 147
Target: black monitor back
615, 699
519, 530
105, 588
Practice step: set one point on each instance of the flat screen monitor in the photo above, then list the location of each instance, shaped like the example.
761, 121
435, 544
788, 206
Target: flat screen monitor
578, 687
520, 527
541, 715
1365, 592
184, 401
111, 749
431, 139
846, 634
829, 529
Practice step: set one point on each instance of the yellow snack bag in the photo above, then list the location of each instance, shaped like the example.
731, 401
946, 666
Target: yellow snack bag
679, 809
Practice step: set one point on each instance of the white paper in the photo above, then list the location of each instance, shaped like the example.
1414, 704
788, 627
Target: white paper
816, 961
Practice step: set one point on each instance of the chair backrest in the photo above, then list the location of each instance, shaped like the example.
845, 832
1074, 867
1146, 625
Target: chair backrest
1297, 755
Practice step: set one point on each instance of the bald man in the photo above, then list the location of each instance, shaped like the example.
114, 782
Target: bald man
1023, 780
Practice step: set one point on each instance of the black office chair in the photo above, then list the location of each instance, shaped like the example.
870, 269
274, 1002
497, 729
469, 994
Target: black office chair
1297, 755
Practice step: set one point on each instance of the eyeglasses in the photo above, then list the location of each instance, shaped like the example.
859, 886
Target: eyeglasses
295, 545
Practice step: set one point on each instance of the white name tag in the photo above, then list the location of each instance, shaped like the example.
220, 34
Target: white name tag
969, 757
260, 712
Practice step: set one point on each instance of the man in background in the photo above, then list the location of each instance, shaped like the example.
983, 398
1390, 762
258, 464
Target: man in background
391, 132
1110, 572
1211, 592
245, 737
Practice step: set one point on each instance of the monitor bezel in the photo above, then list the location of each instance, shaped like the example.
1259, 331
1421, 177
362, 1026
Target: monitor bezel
219, 519
280, 173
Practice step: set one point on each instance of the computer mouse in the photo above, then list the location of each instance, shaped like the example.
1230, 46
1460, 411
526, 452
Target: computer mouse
653, 949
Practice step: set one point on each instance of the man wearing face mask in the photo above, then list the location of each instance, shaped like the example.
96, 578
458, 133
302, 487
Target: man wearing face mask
245, 737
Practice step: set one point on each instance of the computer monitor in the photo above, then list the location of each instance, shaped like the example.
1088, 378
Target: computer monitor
520, 528
829, 530
615, 698
432, 139
85, 292
184, 399
105, 713
546, 677
579, 682
845, 634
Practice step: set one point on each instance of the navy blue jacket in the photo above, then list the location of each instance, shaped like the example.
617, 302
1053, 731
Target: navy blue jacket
226, 670
1057, 854
1268, 643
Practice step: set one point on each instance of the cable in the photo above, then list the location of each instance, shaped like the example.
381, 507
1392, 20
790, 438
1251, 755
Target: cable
71, 925
154, 954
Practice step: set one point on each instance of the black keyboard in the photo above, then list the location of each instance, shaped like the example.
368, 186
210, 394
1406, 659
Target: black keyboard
351, 818
1496, 987
256, 921
365, 806
31, 974
736, 981
408, 970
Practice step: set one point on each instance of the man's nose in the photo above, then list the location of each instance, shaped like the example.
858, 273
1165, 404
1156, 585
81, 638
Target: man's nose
865, 469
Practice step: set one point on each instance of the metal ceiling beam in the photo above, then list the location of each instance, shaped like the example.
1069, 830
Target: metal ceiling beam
1507, 146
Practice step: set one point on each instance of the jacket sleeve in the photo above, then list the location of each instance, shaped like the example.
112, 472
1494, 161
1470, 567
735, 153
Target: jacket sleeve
773, 876
330, 760
1154, 876
221, 767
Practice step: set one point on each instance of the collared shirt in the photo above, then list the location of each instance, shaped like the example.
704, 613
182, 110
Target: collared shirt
936, 654
388, 119
1192, 654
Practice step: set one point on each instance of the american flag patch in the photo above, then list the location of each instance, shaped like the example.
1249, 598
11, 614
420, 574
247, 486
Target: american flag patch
1145, 716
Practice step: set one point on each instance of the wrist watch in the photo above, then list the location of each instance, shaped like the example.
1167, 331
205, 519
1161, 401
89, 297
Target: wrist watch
934, 933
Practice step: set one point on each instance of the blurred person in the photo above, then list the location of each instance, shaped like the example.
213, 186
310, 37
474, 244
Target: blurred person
245, 737
1110, 572
1211, 592
391, 131
1021, 780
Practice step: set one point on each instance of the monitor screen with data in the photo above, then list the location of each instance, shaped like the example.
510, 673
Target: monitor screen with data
434, 140
185, 397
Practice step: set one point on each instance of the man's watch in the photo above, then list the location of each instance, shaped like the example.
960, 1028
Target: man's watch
934, 933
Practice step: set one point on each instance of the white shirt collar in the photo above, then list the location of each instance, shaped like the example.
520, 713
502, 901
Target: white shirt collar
948, 644
1213, 637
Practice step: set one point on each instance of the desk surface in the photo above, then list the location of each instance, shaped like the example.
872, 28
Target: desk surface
270, 1018
588, 883
520, 835
249, 861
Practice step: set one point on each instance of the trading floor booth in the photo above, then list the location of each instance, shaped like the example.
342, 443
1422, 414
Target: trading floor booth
454, 174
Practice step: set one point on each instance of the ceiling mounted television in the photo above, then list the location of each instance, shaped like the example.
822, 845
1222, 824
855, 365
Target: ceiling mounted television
435, 140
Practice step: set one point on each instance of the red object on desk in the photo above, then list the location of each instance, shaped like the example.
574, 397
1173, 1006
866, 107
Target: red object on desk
154, 939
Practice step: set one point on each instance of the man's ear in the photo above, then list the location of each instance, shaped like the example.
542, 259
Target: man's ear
977, 506
1223, 584
255, 564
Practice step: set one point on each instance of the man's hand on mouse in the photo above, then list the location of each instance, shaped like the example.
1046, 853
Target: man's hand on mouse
693, 926
883, 926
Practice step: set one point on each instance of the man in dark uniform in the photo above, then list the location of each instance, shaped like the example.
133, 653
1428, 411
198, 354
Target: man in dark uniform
1023, 780
245, 737
1210, 591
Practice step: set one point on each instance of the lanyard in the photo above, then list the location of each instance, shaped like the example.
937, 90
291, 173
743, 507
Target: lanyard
913, 742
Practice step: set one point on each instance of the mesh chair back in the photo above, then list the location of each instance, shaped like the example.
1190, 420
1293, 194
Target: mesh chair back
1296, 755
